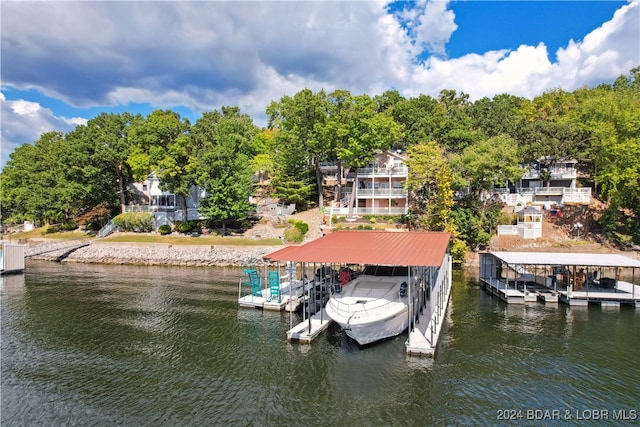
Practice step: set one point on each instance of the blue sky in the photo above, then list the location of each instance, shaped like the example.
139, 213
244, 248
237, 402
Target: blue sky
65, 62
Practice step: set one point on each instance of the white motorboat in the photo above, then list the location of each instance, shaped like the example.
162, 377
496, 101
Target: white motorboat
374, 305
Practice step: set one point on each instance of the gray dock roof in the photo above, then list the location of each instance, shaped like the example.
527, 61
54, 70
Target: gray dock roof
559, 258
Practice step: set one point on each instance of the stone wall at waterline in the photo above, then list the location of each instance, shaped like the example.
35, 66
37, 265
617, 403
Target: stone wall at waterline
163, 254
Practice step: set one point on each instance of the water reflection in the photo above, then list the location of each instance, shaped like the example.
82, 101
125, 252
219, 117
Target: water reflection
170, 346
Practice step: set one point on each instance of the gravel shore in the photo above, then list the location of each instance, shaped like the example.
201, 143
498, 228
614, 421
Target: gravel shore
153, 254
166, 254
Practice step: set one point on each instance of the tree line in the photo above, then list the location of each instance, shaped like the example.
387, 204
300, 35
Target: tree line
454, 146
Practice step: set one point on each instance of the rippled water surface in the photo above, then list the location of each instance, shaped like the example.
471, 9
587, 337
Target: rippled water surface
120, 345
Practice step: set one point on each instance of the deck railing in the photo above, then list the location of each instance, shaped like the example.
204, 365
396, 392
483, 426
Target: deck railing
382, 192
369, 211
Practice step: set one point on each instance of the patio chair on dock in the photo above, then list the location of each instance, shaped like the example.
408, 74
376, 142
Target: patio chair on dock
274, 285
253, 280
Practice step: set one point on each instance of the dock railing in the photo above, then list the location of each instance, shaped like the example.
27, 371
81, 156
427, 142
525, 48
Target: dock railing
439, 299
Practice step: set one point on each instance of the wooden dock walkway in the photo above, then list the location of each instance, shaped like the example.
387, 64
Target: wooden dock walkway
265, 303
56, 250
626, 293
503, 291
419, 341
305, 334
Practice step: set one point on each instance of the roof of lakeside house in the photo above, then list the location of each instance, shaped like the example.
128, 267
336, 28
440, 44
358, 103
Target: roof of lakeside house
370, 247
559, 258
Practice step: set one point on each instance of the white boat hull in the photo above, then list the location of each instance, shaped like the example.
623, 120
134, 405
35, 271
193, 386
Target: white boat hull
369, 333
371, 308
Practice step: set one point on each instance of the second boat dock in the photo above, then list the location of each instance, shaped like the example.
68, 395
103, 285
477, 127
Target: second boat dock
609, 280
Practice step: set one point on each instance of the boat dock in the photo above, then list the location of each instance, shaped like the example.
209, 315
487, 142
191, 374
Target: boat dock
428, 281
608, 280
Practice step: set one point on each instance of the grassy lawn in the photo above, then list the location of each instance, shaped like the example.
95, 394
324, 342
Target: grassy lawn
150, 238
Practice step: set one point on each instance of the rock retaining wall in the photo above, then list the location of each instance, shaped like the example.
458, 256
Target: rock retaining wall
162, 254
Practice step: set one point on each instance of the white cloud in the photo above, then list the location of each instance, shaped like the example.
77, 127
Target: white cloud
435, 26
203, 55
604, 54
23, 122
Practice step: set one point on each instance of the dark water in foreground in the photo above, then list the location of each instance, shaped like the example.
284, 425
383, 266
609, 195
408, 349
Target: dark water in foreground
106, 345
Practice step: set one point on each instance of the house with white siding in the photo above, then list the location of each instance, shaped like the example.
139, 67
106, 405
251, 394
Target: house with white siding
380, 187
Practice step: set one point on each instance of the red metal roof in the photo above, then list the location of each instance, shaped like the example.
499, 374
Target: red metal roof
370, 247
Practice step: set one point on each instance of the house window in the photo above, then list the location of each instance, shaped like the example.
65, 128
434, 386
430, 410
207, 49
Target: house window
165, 200
144, 187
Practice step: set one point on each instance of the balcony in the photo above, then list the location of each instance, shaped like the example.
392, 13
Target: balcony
549, 191
149, 208
556, 173
395, 171
369, 211
381, 193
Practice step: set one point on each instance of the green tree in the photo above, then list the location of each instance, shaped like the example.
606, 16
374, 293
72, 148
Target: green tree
293, 175
430, 183
300, 118
34, 187
97, 158
365, 133
161, 144
485, 165
222, 166
263, 162
612, 117
456, 131
490, 163
500, 115
421, 119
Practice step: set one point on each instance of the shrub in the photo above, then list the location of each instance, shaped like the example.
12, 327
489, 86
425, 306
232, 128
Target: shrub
302, 226
68, 226
140, 222
48, 229
184, 227
164, 229
372, 220
293, 235
458, 251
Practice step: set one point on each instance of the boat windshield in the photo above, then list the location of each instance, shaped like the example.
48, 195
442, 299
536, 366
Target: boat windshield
386, 270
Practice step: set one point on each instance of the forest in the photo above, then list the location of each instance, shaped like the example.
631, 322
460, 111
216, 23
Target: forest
454, 146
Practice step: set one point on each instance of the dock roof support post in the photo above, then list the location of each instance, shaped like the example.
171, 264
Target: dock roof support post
409, 311
314, 294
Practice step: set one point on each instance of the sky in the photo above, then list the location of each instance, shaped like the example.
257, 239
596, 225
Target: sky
63, 63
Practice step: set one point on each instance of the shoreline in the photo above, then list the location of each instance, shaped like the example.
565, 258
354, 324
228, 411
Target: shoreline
156, 254
129, 253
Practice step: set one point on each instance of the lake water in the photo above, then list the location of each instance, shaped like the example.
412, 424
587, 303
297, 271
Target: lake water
120, 345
